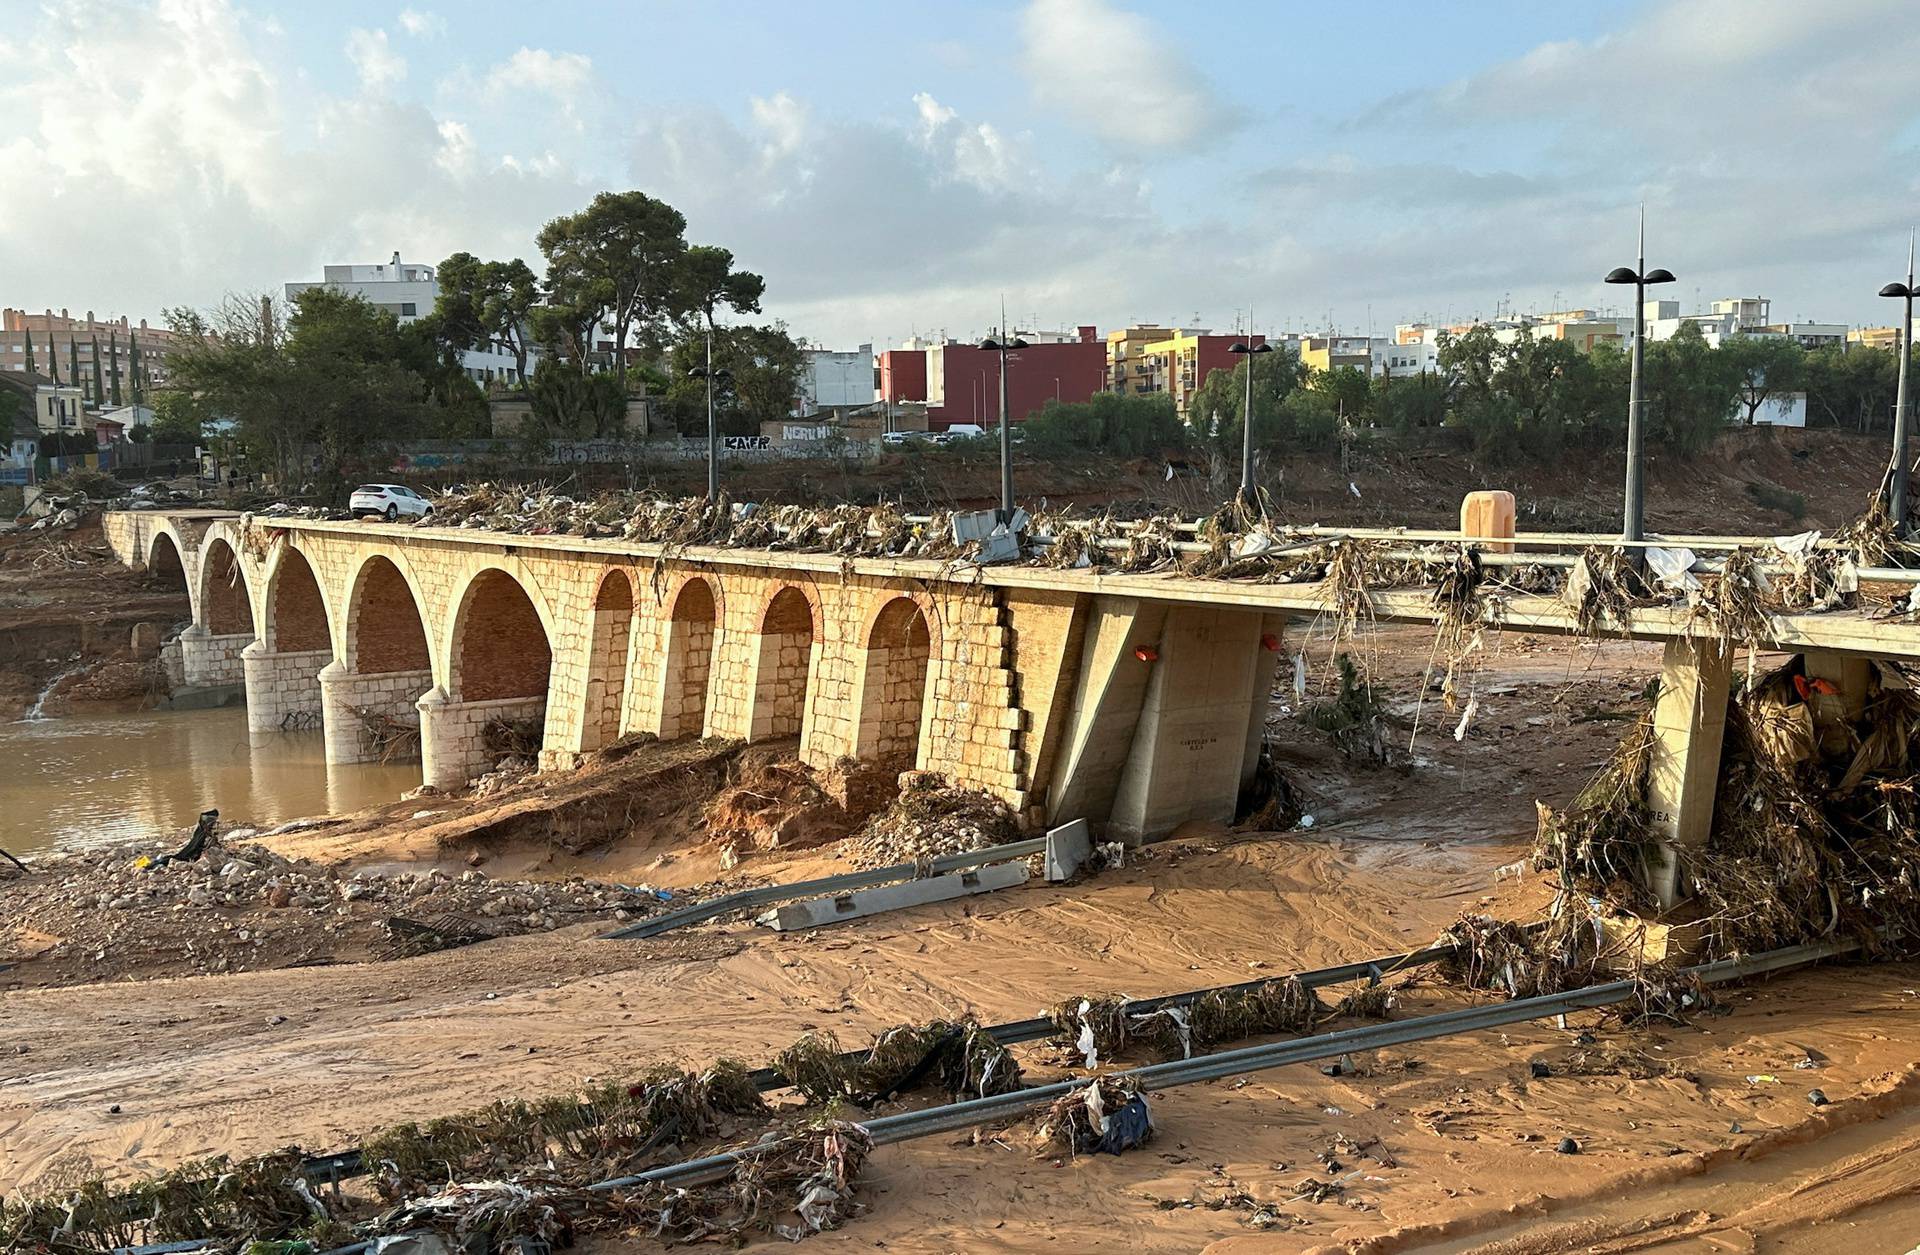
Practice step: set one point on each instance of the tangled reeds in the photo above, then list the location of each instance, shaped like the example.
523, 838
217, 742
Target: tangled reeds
1103, 1116
388, 736
1353, 719
959, 1055
223, 1199
1108, 1025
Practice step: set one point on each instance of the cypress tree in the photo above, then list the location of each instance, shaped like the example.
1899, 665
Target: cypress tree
53, 360
133, 367
29, 351
73, 362
113, 359
99, 385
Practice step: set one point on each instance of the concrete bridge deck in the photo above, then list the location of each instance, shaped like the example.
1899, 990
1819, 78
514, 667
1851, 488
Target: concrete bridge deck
1136, 701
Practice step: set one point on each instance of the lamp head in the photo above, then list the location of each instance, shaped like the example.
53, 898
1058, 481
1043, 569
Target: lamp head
1621, 274
1896, 289
1659, 275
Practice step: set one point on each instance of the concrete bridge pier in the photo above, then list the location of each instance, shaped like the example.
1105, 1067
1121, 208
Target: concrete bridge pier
453, 742
281, 685
1168, 712
345, 694
1689, 723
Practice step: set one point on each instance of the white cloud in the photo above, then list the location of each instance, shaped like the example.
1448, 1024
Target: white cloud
169, 166
421, 25
1117, 75
562, 76
374, 60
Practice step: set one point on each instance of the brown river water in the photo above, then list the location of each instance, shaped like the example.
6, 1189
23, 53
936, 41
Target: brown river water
95, 780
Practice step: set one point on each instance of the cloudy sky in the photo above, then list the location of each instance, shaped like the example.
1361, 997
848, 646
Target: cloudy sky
898, 168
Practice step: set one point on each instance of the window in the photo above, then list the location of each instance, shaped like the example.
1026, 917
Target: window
407, 309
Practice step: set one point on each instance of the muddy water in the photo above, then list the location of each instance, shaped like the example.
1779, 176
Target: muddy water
108, 778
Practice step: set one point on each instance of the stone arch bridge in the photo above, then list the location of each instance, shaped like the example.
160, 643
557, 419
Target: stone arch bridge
1134, 701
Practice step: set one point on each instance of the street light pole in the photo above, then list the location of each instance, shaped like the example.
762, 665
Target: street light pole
1640, 277
1003, 345
1249, 495
709, 374
1897, 479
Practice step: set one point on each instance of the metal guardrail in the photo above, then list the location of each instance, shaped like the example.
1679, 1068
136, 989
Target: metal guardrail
767, 895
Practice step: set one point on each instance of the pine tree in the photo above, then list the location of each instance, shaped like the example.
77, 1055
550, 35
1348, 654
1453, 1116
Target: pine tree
29, 352
99, 385
113, 358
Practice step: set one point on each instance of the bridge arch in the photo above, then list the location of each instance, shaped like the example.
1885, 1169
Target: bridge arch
500, 644
900, 645
166, 561
609, 646
296, 618
384, 630
226, 599
692, 629
789, 625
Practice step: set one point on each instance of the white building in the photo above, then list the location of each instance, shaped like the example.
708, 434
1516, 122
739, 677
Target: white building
408, 290
830, 377
1738, 316
1411, 356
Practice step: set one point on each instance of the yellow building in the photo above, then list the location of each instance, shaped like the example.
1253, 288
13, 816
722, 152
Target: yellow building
1129, 372
1887, 338
1329, 352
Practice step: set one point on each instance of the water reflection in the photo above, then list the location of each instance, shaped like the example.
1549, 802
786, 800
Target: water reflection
85, 781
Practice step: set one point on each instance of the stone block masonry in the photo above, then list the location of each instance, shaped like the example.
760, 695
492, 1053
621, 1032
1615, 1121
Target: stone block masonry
207, 660
346, 695
453, 742
283, 689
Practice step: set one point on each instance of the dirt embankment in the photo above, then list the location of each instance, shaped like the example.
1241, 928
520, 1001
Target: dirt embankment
68, 611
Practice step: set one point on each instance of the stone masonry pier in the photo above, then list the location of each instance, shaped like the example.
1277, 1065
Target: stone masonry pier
1134, 701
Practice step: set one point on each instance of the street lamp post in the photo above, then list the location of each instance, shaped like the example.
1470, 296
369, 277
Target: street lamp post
711, 376
1897, 480
1003, 346
1249, 495
1640, 277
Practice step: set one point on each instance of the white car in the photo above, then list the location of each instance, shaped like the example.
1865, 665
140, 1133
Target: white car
389, 501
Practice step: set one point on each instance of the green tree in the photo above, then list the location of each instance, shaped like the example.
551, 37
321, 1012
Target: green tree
1214, 409
29, 352
99, 384
1347, 391
309, 394
1130, 426
113, 355
1691, 391
570, 406
177, 418
73, 363
1762, 367
485, 303
620, 256
761, 384
1850, 387
136, 368
1405, 402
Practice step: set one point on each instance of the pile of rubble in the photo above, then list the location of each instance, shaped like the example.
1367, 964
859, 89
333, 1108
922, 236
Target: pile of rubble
89, 914
930, 818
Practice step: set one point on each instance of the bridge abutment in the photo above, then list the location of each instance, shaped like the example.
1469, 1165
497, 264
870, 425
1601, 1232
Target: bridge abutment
282, 687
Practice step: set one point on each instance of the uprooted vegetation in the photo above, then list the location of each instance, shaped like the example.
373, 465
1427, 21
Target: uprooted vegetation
1814, 821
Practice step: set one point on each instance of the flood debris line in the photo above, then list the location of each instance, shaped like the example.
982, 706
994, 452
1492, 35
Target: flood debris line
390, 737
960, 1056
240, 906
1105, 1026
1816, 829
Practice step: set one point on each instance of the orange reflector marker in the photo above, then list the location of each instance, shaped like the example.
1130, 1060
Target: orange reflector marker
1270, 643
1146, 653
